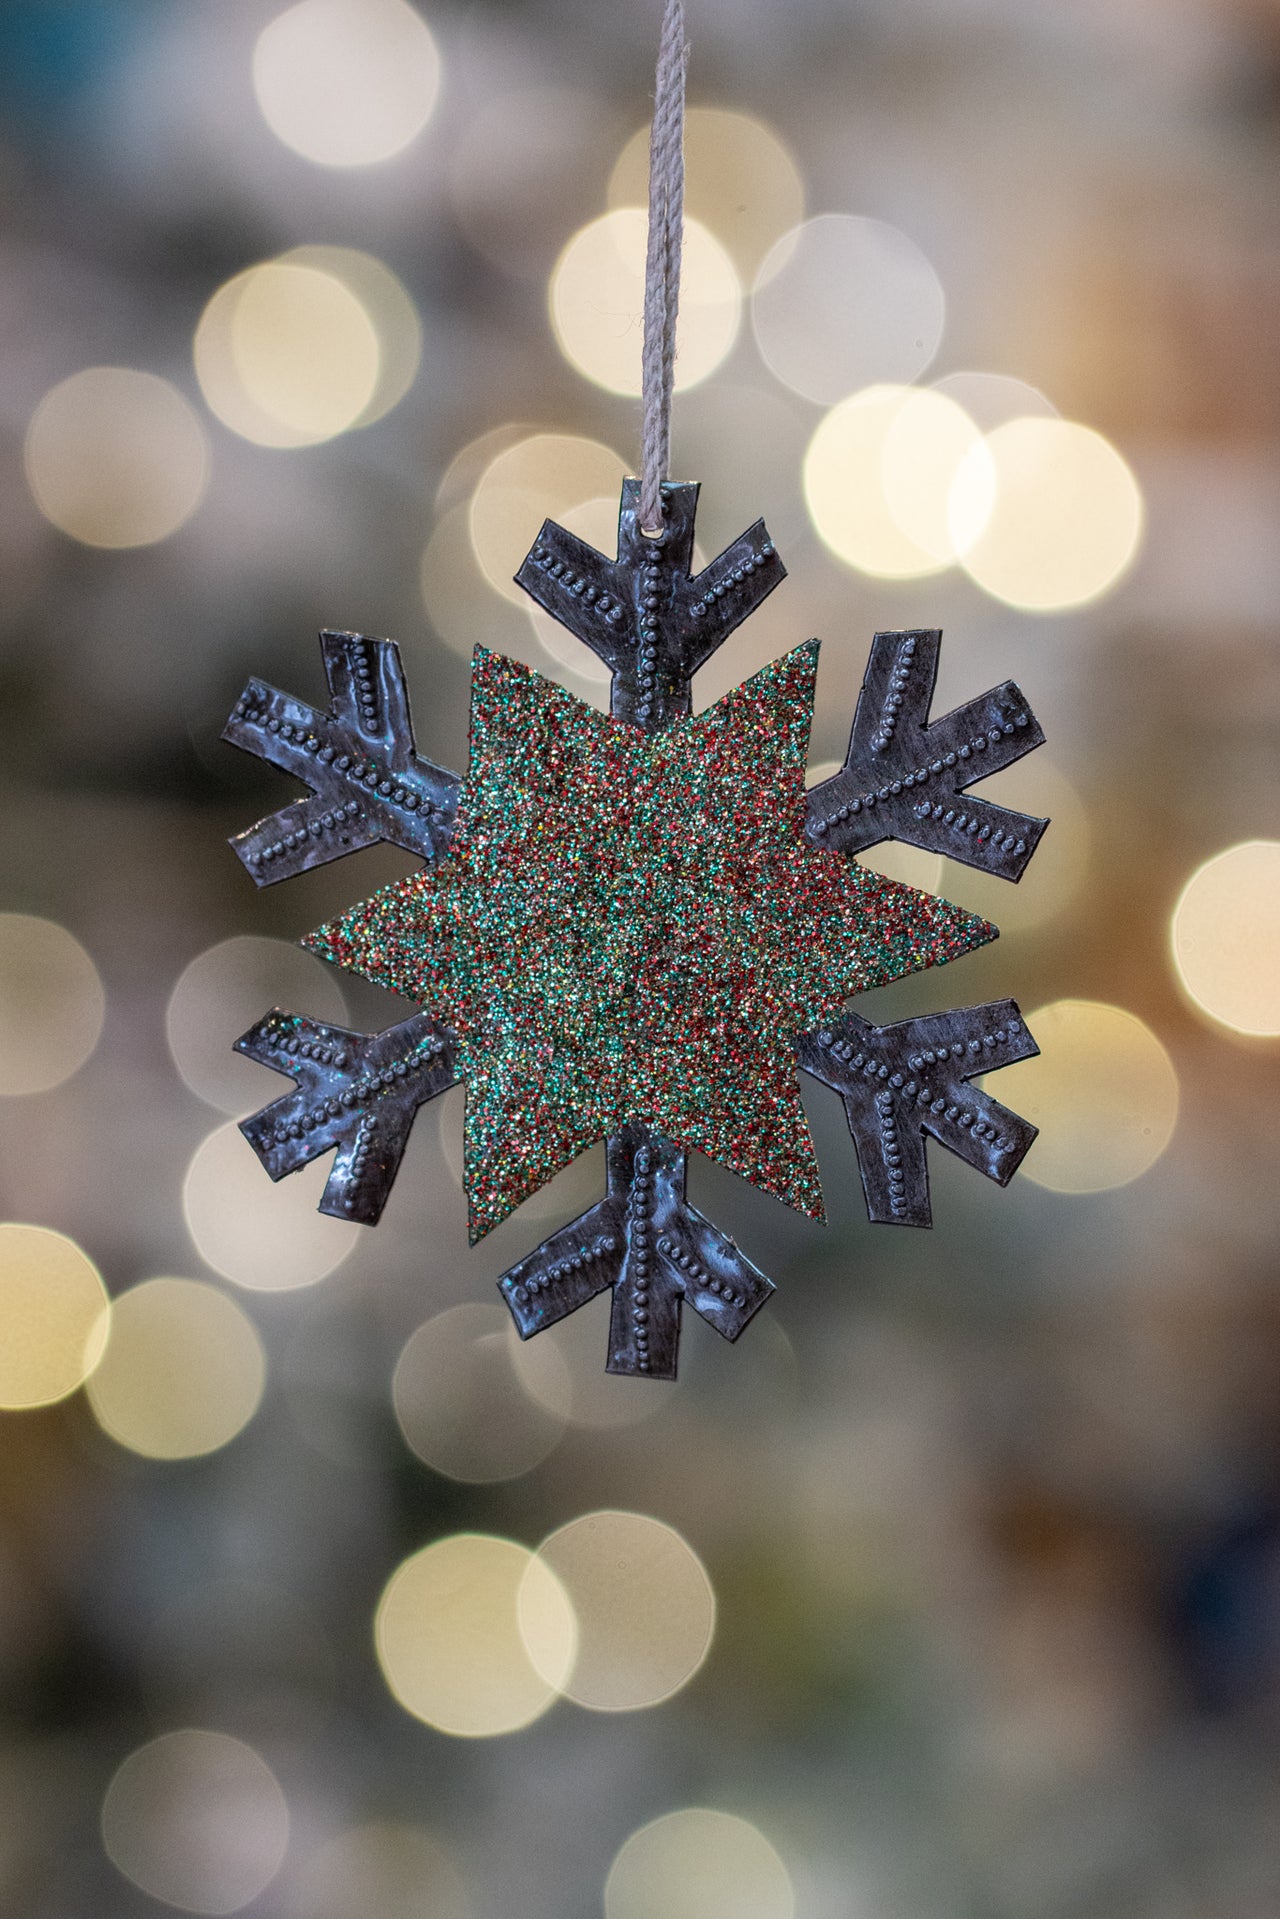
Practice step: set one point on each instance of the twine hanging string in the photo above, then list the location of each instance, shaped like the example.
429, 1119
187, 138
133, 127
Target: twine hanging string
662, 266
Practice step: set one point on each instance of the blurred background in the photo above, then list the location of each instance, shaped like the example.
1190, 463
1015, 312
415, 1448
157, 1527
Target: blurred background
953, 1590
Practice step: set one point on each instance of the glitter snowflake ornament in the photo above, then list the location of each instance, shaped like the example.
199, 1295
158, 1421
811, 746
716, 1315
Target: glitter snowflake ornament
639, 927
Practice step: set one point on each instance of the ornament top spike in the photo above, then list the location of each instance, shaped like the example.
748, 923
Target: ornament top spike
645, 614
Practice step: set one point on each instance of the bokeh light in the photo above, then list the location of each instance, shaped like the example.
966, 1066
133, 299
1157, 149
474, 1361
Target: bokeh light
546, 476
1226, 937
1103, 1092
460, 1403
990, 399
266, 1237
1052, 882
116, 457
880, 474
932, 447
1066, 519
380, 1871
597, 302
391, 312
346, 83
643, 1603
287, 355
317, 389
462, 475
454, 1629
224, 991
740, 181
698, 1864
51, 1004
54, 1316
844, 302
459, 600
198, 1820
183, 1371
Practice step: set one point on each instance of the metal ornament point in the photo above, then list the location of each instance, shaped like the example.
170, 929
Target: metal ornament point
905, 779
904, 1083
644, 613
356, 1092
653, 1248
359, 759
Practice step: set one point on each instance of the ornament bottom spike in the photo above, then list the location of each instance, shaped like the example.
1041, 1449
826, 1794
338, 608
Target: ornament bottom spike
653, 1248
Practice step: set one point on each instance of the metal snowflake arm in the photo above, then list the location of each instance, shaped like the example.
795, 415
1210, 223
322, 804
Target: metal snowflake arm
643, 613
904, 779
357, 1092
902, 1082
653, 1248
367, 781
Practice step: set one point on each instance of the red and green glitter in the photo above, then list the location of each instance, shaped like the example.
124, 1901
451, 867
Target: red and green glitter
633, 927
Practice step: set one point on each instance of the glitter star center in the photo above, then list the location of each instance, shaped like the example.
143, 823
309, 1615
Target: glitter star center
633, 928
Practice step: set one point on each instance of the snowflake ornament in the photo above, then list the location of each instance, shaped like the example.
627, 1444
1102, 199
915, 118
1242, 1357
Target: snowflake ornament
637, 926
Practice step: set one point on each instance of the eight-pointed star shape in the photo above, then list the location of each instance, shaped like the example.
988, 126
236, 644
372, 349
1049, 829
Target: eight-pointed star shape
615, 935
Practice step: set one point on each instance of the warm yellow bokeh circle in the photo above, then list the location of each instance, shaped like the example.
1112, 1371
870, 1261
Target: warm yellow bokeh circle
1103, 1092
881, 473
287, 355
454, 1631
183, 1371
597, 302
643, 1603
390, 311
698, 1864
51, 1004
844, 302
459, 1402
266, 1238
346, 83
115, 457
1066, 519
54, 1316
1226, 937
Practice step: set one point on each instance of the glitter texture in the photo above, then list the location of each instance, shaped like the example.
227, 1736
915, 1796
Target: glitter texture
632, 928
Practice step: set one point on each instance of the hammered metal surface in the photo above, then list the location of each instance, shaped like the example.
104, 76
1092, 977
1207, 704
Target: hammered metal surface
904, 1082
367, 781
356, 1092
644, 613
653, 1248
904, 779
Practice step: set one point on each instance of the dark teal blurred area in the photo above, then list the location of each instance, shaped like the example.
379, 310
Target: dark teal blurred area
54, 52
